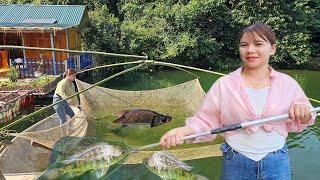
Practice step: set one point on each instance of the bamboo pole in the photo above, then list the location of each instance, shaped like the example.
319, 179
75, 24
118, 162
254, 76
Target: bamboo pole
69, 97
169, 65
120, 73
72, 51
154, 62
111, 65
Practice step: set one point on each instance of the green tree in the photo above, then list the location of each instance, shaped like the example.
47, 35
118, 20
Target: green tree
289, 21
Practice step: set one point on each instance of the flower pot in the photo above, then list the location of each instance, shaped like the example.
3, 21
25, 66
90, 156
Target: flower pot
37, 74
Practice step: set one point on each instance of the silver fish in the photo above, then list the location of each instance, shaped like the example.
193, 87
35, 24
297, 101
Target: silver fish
102, 151
97, 158
167, 166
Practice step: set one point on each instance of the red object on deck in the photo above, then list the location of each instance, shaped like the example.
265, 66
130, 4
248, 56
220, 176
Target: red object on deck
27, 101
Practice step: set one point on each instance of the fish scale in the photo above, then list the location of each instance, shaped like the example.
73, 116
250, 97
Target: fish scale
138, 116
101, 151
167, 166
97, 158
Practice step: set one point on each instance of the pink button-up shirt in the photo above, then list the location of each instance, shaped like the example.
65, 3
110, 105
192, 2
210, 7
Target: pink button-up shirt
227, 103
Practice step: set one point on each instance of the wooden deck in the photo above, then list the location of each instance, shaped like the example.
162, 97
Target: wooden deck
22, 176
22, 160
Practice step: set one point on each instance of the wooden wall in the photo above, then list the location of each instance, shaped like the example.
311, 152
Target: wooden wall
74, 39
13, 39
42, 39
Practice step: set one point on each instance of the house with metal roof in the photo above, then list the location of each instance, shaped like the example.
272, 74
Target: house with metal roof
44, 26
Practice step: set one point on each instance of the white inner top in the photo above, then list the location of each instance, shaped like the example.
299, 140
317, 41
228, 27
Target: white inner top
256, 146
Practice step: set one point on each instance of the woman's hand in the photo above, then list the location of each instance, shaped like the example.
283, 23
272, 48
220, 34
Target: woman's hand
300, 112
173, 137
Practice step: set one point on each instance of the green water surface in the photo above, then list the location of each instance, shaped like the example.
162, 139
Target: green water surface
304, 147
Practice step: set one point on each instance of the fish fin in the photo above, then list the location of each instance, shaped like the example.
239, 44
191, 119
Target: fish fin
69, 161
136, 125
186, 167
121, 113
117, 120
199, 177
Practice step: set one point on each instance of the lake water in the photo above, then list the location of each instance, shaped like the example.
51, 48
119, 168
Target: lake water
304, 147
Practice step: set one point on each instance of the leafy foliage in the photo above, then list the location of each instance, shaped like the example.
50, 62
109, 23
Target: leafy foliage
202, 33
13, 74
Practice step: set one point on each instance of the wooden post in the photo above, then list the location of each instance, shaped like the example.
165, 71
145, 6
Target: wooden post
48, 64
67, 47
23, 50
28, 70
53, 54
75, 38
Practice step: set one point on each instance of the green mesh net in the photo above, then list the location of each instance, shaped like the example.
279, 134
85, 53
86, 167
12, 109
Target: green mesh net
182, 99
85, 158
179, 101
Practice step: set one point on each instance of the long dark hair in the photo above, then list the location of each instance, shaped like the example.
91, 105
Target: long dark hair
69, 72
262, 31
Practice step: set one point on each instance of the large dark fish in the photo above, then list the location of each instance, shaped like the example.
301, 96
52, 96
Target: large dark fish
138, 116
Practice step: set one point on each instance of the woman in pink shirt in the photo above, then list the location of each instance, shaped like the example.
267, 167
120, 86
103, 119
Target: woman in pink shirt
251, 92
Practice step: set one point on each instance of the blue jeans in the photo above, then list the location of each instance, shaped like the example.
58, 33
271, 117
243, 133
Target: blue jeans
62, 109
274, 166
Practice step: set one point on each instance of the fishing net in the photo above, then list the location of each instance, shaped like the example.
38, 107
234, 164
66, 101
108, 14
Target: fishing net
94, 158
167, 166
50, 131
179, 101
85, 158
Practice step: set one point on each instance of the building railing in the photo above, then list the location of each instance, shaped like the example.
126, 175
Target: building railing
27, 68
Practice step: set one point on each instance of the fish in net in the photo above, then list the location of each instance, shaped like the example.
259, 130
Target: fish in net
85, 158
167, 167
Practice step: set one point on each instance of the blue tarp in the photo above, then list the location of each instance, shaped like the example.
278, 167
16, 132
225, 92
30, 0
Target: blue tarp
85, 61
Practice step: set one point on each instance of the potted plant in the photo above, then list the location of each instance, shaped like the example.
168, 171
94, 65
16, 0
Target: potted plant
13, 73
38, 72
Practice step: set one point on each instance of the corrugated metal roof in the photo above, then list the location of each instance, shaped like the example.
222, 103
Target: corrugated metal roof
12, 16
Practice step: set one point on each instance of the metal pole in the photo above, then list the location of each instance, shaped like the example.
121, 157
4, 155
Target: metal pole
230, 128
